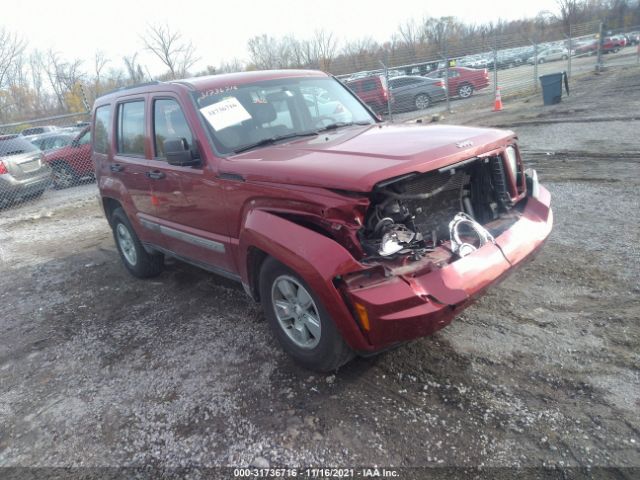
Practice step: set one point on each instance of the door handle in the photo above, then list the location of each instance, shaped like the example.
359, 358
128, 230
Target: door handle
116, 167
155, 175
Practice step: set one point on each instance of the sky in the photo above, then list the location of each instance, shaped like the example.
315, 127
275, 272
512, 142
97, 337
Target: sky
220, 30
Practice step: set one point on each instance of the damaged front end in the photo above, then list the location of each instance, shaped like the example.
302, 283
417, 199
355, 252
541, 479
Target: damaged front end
457, 206
434, 241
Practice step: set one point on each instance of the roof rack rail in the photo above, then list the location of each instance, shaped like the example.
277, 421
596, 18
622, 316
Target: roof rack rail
129, 87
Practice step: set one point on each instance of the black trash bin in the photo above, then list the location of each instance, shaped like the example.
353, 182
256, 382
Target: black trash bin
552, 87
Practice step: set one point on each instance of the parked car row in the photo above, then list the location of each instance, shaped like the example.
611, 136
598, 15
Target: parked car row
510, 57
30, 164
414, 92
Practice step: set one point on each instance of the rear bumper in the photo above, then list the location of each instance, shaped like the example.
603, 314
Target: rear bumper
9, 185
407, 306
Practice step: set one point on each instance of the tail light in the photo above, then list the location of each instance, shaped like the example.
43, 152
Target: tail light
3, 168
440, 83
486, 73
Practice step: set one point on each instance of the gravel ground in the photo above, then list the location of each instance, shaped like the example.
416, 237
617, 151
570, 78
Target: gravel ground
100, 369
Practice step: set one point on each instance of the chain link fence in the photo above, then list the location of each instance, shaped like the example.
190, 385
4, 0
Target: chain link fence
512, 64
51, 156
43, 155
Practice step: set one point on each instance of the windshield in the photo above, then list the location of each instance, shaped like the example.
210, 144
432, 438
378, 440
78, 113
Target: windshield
15, 145
257, 114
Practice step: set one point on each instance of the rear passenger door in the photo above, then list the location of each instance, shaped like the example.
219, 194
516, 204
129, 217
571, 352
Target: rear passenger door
189, 203
126, 170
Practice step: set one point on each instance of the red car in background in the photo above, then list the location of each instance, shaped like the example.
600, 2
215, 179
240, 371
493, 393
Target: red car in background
464, 81
372, 90
72, 163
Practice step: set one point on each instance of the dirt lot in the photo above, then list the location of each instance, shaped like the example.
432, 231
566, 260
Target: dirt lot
100, 369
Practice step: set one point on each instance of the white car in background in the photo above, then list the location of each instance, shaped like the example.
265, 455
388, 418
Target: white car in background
550, 54
323, 107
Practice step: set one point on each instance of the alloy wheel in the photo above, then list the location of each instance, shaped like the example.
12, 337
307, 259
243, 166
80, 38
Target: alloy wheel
296, 312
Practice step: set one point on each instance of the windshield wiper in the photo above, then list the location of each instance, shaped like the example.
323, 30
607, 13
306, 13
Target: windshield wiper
333, 126
272, 140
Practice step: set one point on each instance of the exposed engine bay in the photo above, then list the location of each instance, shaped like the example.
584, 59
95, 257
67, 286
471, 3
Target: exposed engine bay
414, 214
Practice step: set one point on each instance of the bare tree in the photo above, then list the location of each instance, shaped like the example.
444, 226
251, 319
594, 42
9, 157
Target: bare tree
262, 51
411, 36
100, 61
62, 75
568, 12
11, 48
437, 30
134, 69
177, 54
326, 46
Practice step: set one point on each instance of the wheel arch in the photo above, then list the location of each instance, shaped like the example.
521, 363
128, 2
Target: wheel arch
316, 258
109, 205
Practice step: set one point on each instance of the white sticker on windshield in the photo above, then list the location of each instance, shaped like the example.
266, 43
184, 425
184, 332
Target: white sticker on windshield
225, 113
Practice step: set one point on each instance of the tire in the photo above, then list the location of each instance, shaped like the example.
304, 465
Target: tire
37, 194
135, 258
564, 57
63, 176
315, 343
465, 90
422, 101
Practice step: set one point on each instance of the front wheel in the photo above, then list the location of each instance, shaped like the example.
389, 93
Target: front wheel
135, 258
465, 90
422, 101
299, 320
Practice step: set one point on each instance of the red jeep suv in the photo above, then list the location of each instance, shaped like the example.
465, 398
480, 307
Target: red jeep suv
354, 235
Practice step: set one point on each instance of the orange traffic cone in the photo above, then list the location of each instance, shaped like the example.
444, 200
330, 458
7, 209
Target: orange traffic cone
497, 106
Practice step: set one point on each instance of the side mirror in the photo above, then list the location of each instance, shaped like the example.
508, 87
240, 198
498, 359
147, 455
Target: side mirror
178, 153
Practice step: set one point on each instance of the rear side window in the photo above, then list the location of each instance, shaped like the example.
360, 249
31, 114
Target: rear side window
131, 128
370, 85
102, 129
14, 145
169, 123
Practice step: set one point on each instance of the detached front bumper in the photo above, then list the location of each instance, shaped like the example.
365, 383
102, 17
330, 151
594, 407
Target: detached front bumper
413, 304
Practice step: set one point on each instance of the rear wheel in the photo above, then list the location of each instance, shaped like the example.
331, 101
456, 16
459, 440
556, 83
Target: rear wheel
63, 176
299, 320
422, 101
135, 258
465, 90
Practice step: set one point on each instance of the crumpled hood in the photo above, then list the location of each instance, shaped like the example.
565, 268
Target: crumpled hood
356, 158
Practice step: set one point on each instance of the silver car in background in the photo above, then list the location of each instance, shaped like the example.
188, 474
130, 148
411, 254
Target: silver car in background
23, 172
416, 93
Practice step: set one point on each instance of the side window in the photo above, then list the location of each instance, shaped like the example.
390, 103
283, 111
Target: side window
131, 128
102, 129
168, 122
58, 142
369, 85
85, 138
